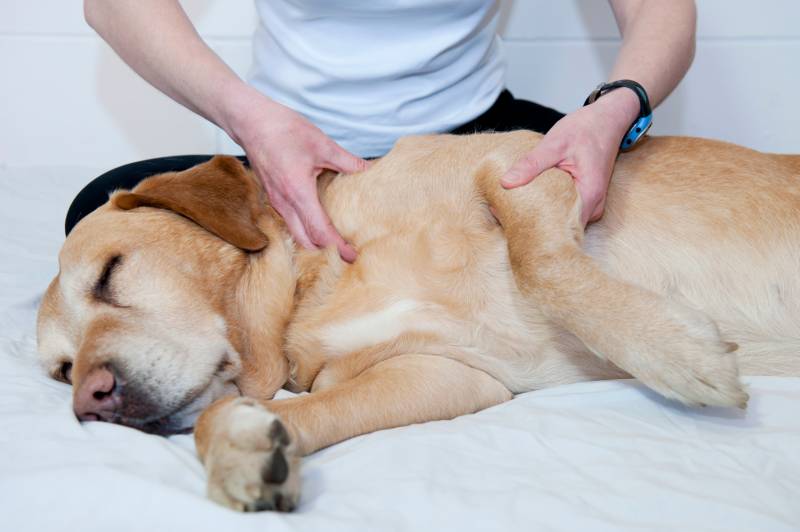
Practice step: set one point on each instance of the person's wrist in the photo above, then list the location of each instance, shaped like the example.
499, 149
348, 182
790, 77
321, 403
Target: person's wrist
237, 114
620, 107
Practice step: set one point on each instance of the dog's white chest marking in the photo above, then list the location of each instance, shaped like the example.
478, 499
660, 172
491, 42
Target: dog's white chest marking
373, 328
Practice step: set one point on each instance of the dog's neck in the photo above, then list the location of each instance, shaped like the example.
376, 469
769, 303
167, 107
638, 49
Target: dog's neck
274, 284
262, 305
318, 273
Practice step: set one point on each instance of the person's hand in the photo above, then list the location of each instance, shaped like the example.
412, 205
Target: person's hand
288, 153
585, 144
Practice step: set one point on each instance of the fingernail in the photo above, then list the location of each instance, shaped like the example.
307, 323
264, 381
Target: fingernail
348, 254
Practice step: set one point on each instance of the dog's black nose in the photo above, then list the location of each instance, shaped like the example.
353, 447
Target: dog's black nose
98, 397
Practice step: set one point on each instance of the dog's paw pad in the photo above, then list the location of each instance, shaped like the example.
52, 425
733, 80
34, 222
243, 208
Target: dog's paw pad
251, 463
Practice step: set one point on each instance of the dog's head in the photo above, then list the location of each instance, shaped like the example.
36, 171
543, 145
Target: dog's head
170, 296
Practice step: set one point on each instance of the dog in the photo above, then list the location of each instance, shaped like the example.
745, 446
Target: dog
184, 302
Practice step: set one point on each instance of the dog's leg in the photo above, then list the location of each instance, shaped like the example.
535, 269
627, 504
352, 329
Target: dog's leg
671, 348
251, 449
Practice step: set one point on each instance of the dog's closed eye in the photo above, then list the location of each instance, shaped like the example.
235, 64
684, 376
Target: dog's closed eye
102, 288
64, 373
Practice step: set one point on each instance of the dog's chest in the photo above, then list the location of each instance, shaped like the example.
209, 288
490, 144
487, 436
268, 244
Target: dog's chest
399, 317
466, 307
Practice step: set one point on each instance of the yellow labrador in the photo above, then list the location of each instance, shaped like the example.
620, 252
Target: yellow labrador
185, 297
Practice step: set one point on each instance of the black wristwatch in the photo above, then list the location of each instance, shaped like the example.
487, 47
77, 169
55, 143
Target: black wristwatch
642, 124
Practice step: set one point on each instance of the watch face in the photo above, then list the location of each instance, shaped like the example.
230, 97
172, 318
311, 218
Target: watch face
638, 130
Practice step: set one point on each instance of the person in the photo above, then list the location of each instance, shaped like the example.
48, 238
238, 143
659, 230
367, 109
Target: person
335, 82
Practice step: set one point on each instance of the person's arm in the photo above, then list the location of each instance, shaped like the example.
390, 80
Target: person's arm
657, 50
286, 151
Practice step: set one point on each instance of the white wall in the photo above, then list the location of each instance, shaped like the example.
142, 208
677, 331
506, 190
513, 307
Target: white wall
65, 99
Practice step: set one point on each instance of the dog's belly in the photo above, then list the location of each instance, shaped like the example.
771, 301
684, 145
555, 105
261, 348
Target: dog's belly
749, 289
722, 235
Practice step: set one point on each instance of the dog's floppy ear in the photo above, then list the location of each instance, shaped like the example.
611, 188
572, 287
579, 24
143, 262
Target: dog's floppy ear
219, 195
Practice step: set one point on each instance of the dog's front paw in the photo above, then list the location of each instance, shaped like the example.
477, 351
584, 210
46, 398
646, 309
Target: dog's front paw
251, 463
690, 363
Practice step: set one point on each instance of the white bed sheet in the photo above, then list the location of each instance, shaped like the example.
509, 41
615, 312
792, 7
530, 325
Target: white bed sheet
585, 457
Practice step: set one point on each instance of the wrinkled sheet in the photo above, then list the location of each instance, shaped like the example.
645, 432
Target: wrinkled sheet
585, 457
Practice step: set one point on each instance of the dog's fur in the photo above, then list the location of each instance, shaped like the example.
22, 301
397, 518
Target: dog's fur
462, 294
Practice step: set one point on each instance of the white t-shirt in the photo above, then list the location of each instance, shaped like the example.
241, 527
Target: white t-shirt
369, 71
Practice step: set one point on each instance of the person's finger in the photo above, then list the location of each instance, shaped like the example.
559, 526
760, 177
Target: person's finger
298, 231
343, 161
598, 211
318, 224
592, 199
323, 233
542, 157
293, 222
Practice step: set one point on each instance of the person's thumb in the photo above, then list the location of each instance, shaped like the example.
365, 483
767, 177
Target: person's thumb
533, 163
343, 161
